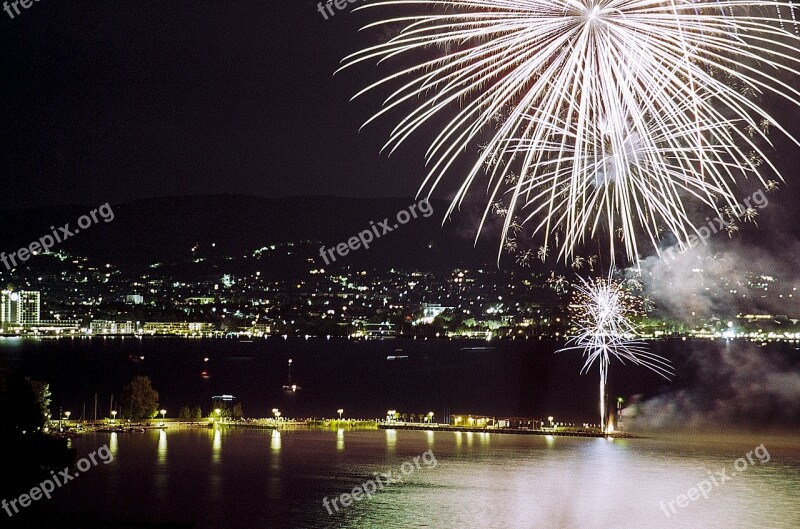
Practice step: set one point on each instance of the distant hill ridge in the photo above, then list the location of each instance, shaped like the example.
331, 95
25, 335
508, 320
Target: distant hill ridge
165, 229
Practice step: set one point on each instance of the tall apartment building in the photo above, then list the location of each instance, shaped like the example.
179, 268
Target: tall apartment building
20, 308
6, 307
29, 308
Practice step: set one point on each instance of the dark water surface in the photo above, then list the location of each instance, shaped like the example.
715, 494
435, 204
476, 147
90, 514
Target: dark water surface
500, 377
258, 479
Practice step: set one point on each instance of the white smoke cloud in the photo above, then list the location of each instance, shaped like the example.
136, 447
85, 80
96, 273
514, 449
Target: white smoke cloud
733, 384
723, 278
726, 384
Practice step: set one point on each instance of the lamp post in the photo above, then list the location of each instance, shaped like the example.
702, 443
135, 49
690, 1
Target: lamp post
113, 415
340, 411
390, 415
66, 417
277, 413
430, 417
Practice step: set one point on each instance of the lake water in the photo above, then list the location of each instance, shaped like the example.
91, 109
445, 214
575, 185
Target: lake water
237, 478
502, 377
241, 478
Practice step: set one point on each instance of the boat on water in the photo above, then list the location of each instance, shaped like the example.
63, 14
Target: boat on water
290, 386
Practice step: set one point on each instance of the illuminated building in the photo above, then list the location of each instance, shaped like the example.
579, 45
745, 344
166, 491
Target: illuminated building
6, 311
29, 308
199, 301
181, 328
21, 309
56, 327
104, 327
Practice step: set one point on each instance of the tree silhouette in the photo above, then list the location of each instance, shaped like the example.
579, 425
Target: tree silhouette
139, 399
41, 392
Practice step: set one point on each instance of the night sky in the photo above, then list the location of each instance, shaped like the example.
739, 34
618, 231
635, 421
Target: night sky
112, 101
115, 101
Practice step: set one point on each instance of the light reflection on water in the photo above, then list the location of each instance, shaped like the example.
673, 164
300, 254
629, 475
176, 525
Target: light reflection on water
162, 447
275, 442
113, 444
216, 445
278, 479
162, 469
274, 477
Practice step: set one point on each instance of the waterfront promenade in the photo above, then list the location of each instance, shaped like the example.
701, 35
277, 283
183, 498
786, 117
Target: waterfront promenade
333, 424
562, 432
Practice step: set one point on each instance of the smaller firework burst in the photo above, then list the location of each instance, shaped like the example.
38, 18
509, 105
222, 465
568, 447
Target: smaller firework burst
603, 312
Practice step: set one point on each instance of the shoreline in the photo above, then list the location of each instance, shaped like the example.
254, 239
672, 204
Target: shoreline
511, 431
333, 424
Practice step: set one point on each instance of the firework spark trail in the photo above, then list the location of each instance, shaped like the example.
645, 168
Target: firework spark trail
645, 162
603, 308
521, 70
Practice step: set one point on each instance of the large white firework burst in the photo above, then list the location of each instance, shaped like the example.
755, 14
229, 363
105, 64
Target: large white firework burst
602, 311
502, 73
639, 183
